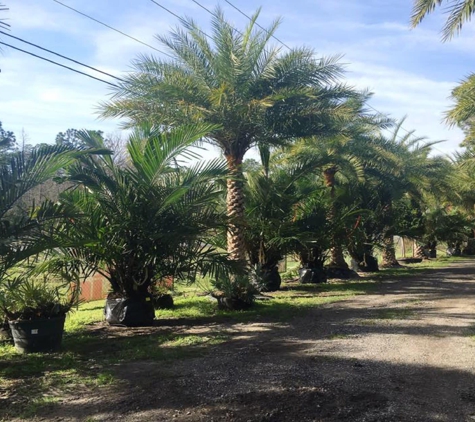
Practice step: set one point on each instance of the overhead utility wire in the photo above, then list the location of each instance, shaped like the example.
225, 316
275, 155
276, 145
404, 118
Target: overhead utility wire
113, 29
59, 64
247, 16
177, 16
60, 55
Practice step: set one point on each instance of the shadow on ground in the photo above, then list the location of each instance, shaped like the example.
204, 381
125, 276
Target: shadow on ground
294, 372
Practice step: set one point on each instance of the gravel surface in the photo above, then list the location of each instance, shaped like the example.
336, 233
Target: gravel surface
403, 353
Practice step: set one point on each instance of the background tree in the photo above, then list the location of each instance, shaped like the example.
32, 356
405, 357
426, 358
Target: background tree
72, 138
7, 144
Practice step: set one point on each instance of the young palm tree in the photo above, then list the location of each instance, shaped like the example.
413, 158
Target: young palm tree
275, 197
255, 93
460, 11
150, 220
21, 230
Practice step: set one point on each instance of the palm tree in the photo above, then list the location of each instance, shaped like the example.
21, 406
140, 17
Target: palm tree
254, 93
20, 230
345, 159
151, 220
275, 197
462, 113
460, 11
415, 175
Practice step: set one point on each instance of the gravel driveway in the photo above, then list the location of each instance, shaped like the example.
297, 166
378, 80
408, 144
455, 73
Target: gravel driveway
403, 353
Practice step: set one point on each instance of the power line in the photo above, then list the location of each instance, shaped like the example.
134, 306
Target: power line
59, 64
214, 14
177, 16
113, 29
60, 55
264, 29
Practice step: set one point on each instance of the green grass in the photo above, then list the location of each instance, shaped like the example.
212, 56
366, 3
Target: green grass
394, 313
410, 270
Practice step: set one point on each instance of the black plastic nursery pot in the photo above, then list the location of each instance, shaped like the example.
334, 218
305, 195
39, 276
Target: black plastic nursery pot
131, 312
38, 335
312, 275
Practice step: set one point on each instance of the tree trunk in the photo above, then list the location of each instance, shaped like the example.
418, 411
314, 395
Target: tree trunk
336, 257
235, 209
337, 268
389, 253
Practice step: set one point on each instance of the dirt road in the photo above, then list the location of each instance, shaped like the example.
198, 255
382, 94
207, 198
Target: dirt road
403, 353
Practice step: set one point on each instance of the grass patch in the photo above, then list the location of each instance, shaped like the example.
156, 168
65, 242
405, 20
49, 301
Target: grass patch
394, 313
411, 270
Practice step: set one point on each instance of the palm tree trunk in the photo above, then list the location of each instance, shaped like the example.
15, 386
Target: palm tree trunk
337, 257
336, 251
389, 253
235, 209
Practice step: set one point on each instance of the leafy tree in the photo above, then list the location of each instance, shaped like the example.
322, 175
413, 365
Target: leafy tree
254, 93
459, 11
7, 144
72, 138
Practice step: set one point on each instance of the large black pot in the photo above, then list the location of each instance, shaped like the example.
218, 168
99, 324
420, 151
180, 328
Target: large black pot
312, 275
131, 312
271, 280
38, 335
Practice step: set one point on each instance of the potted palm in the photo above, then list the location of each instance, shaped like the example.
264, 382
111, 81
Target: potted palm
36, 309
23, 234
150, 220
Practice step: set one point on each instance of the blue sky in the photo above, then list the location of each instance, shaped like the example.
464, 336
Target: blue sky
410, 72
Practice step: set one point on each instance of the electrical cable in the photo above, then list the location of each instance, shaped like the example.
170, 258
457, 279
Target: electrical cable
177, 16
60, 55
59, 64
242, 13
113, 29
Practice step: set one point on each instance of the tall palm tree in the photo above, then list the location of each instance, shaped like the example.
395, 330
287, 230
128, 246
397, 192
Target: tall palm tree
237, 80
459, 11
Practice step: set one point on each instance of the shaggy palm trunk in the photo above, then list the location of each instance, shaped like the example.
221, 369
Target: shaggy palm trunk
336, 251
235, 209
389, 253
